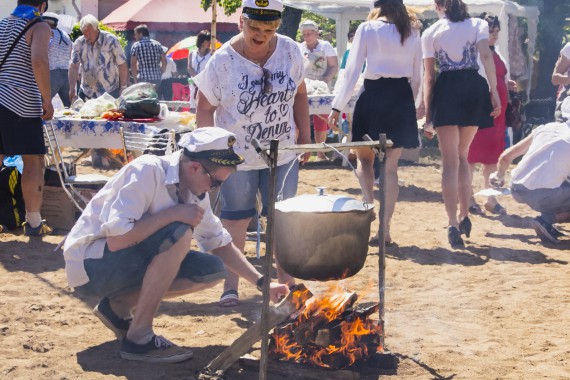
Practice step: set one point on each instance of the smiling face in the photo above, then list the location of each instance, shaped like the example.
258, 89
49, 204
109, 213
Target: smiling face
257, 34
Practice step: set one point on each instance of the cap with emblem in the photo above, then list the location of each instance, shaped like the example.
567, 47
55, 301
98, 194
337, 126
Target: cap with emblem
213, 144
262, 10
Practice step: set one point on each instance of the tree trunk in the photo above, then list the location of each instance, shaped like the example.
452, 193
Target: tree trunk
290, 22
550, 32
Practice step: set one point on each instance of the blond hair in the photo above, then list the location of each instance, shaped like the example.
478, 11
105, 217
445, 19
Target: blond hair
257, 23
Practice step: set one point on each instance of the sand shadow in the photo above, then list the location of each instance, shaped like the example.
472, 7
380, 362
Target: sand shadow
432, 371
413, 193
39, 257
104, 359
469, 256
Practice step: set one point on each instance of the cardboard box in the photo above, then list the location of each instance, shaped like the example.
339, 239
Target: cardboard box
57, 209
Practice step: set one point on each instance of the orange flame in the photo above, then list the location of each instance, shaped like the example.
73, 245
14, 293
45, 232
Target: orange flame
330, 316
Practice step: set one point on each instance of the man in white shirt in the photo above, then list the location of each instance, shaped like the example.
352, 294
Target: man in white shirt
131, 245
321, 63
542, 178
561, 78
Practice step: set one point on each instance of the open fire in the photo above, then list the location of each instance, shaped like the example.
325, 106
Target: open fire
331, 332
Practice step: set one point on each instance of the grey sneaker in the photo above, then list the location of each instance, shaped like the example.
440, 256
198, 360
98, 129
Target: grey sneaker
158, 350
116, 324
544, 230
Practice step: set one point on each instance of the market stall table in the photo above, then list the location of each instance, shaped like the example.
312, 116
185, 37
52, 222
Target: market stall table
101, 133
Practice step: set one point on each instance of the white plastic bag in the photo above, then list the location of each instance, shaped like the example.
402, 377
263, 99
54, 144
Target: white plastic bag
96, 107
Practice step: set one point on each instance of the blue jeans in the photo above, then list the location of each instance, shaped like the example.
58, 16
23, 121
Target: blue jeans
59, 84
122, 271
240, 190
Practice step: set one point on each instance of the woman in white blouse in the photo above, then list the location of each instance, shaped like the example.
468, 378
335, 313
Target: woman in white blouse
391, 48
458, 102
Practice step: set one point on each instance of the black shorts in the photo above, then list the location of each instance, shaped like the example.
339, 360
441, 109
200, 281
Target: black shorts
461, 98
20, 135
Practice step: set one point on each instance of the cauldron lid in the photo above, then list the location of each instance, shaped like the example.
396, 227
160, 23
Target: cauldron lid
322, 203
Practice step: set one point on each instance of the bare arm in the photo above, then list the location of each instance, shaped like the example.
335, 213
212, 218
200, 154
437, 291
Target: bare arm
38, 38
149, 224
332, 68
191, 71
134, 68
204, 112
123, 75
560, 75
429, 81
163, 63
235, 261
72, 75
489, 65
302, 119
509, 155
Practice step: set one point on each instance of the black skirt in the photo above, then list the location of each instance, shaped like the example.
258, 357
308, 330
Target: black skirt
386, 106
461, 98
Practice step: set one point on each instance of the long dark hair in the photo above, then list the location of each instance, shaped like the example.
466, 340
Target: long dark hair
455, 10
397, 12
204, 35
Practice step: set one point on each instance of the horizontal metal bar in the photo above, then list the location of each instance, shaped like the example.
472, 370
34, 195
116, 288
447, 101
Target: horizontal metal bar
302, 148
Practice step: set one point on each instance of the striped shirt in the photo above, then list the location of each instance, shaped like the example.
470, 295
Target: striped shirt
19, 91
148, 53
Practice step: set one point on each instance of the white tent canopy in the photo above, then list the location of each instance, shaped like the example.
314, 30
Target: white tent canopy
343, 11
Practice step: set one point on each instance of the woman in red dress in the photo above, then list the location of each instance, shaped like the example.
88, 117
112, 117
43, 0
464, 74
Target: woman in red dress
489, 143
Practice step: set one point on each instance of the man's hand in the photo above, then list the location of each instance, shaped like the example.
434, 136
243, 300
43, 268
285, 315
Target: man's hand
48, 109
496, 180
277, 291
188, 213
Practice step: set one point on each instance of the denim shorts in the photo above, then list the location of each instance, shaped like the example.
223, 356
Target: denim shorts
122, 271
239, 192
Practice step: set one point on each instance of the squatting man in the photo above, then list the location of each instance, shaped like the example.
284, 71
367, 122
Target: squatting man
131, 246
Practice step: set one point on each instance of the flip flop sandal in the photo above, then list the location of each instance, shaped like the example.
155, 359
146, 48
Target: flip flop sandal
229, 298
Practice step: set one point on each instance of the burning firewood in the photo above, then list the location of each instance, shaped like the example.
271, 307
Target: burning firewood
331, 332
277, 314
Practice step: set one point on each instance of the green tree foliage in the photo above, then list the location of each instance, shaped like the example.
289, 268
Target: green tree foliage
76, 33
229, 6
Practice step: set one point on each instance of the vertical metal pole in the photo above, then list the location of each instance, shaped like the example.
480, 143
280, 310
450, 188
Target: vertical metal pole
273, 150
382, 235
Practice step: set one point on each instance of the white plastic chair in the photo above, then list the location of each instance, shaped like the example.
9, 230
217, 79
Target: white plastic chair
69, 183
158, 144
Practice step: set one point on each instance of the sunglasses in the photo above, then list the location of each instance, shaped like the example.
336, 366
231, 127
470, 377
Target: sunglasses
267, 86
214, 183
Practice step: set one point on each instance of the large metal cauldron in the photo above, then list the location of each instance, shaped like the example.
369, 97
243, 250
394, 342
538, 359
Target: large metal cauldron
322, 237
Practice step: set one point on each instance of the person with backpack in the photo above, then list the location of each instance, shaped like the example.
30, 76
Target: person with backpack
25, 101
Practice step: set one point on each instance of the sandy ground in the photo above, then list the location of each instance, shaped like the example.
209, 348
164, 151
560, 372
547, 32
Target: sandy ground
498, 309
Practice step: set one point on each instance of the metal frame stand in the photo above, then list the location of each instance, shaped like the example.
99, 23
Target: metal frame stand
270, 158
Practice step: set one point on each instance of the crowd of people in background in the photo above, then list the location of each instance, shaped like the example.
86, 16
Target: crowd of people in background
254, 87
